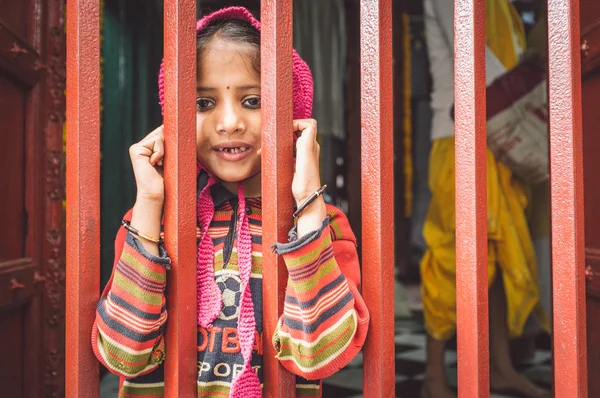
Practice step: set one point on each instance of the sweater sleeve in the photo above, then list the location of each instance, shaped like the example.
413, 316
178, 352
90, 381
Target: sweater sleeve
127, 336
325, 320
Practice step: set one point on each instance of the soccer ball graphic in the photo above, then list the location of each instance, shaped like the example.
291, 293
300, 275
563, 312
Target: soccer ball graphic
230, 290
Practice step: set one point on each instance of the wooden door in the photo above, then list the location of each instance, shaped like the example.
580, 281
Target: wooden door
32, 48
590, 32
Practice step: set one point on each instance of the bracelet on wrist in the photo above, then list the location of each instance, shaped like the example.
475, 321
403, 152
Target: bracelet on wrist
127, 226
308, 201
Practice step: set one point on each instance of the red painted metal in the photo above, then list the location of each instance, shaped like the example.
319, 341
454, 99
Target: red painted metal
277, 173
180, 196
83, 194
566, 162
471, 204
377, 181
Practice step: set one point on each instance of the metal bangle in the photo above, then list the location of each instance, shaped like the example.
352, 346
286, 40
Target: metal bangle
308, 201
127, 226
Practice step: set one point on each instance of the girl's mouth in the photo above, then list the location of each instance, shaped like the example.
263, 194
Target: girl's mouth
232, 153
234, 150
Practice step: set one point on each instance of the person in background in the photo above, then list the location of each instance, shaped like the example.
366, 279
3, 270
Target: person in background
514, 288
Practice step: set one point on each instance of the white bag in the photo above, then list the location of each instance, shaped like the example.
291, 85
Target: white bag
517, 121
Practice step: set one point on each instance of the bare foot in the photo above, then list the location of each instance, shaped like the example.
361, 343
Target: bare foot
436, 389
513, 382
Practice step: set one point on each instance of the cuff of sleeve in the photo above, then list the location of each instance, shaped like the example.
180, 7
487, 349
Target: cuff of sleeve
162, 259
295, 243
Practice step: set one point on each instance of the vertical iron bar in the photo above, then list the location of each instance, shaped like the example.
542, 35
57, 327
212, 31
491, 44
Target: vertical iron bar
377, 182
83, 194
277, 173
566, 167
180, 196
471, 200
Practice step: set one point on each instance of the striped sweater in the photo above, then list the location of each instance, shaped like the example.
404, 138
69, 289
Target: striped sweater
323, 325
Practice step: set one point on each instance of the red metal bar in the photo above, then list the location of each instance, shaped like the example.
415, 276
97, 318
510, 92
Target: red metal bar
83, 194
471, 204
277, 173
180, 196
377, 181
566, 165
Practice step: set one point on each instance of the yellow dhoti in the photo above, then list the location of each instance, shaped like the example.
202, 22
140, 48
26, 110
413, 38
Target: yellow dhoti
509, 244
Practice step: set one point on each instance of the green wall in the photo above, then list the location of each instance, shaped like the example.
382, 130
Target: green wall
131, 52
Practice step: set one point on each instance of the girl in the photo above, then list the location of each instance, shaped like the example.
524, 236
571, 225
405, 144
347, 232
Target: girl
325, 320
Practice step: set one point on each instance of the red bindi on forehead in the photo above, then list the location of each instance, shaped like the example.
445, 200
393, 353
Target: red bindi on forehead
227, 87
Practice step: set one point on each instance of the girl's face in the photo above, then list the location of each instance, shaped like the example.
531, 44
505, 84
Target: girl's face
228, 119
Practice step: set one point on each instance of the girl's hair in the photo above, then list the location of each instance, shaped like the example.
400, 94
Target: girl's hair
233, 31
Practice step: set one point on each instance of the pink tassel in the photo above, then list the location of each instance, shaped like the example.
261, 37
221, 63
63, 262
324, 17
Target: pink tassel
209, 299
246, 384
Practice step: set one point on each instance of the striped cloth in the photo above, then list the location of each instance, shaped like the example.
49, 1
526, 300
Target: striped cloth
323, 326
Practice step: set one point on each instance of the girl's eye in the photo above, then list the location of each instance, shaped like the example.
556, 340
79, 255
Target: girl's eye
252, 103
203, 104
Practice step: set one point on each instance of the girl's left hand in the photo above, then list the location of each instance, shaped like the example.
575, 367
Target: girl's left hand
306, 178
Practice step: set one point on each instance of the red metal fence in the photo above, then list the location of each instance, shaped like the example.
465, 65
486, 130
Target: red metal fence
83, 182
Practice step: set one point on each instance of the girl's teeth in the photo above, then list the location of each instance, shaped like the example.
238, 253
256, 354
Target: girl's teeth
234, 150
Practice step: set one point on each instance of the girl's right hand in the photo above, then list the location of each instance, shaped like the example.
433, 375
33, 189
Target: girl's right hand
147, 161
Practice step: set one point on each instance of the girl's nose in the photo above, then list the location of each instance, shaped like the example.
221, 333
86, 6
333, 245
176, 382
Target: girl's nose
230, 120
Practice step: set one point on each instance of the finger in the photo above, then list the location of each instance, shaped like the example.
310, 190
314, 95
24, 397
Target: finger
155, 158
157, 131
301, 152
303, 124
305, 145
308, 127
150, 142
138, 150
158, 150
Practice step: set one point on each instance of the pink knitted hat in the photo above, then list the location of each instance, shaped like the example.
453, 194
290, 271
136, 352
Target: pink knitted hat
209, 300
302, 78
